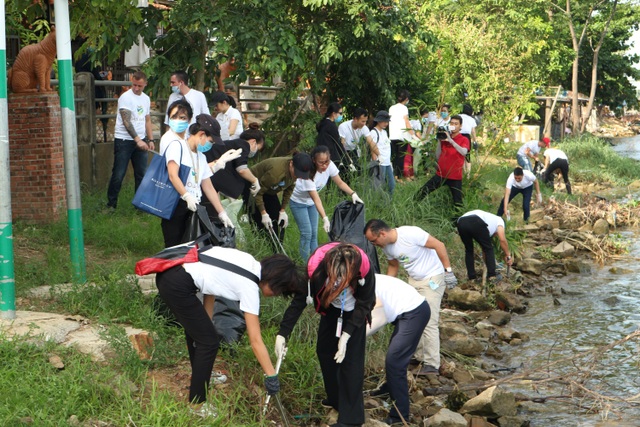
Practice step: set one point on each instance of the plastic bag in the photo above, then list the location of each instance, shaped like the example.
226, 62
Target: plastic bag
228, 319
375, 173
347, 226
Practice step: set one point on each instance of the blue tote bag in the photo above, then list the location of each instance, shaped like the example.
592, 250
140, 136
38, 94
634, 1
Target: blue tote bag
156, 194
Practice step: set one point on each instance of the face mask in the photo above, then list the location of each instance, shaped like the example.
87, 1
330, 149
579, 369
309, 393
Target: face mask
178, 126
444, 114
175, 89
425, 120
253, 153
339, 118
206, 147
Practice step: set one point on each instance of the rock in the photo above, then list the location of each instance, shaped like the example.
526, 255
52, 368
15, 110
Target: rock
492, 403
478, 422
499, 318
601, 227
536, 215
586, 228
563, 250
143, 344
515, 342
484, 329
620, 270
462, 376
531, 227
56, 362
512, 421
530, 265
446, 418
577, 266
548, 224
465, 345
450, 329
612, 300
510, 302
508, 334
73, 421
468, 300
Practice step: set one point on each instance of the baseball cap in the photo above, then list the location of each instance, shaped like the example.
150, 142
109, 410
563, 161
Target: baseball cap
211, 125
302, 165
547, 141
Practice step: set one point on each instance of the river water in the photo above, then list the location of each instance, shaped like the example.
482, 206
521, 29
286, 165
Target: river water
596, 310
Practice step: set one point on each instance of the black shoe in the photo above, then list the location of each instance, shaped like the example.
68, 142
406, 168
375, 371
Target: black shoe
392, 421
426, 370
414, 362
381, 392
325, 404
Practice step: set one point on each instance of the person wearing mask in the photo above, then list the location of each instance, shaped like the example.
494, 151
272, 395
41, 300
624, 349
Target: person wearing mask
400, 132
481, 226
382, 141
228, 116
180, 90
520, 181
328, 134
306, 204
341, 287
554, 160
179, 286
129, 144
400, 304
442, 121
450, 152
189, 152
529, 151
352, 132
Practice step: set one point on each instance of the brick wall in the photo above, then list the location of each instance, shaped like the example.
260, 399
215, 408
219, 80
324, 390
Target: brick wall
36, 157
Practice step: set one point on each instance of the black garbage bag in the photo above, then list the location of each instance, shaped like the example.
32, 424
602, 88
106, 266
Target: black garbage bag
200, 223
376, 175
228, 320
347, 225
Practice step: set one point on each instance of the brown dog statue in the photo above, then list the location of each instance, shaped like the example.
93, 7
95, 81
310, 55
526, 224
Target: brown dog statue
32, 68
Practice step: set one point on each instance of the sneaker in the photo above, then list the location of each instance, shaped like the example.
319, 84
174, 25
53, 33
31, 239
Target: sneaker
426, 370
205, 410
382, 392
495, 279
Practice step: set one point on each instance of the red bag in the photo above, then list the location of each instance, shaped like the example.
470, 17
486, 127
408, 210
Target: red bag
170, 257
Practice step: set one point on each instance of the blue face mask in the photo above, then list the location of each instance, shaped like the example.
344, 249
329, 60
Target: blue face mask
178, 126
425, 120
339, 118
175, 89
206, 147
444, 114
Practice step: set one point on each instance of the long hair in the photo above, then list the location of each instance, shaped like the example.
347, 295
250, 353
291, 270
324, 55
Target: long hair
339, 269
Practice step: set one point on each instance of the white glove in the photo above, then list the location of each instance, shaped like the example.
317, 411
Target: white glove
508, 215
255, 187
192, 202
226, 221
226, 157
280, 345
355, 198
342, 347
542, 171
266, 221
326, 224
352, 167
450, 279
283, 219
539, 198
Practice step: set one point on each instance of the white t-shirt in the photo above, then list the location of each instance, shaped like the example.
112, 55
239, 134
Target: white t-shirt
554, 154
527, 180
352, 136
174, 151
419, 261
492, 221
140, 107
195, 98
303, 186
396, 124
384, 146
468, 124
225, 119
166, 139
531, 145
396, 296
211, 280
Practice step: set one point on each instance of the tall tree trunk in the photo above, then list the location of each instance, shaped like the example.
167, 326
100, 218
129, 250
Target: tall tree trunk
575, 103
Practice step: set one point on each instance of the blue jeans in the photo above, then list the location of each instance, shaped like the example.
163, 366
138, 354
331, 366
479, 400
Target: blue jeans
307, 219
387, 172
524, 162
526, 200
123, 151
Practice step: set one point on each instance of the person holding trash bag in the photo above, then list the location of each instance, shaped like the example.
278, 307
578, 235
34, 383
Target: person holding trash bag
189, 152
178, 287
342, 289
305, 202
275, 175
400, 304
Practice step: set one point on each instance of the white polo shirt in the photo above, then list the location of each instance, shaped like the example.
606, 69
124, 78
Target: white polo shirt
554, 154
396, 296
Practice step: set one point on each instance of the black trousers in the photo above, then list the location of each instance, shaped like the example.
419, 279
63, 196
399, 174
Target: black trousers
343, 382
561, 164
472, 228
455, 186
526, 200
173, 229
177, 290
398, 152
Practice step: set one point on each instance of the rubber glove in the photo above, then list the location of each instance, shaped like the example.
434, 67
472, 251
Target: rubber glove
266, 221
450, 279
283, 219
226, 221
539, 198
272, 384
355, 198
508, 215
280, 345
226, 157
326, 224
192, 202
352, 167
342, 347
255, 187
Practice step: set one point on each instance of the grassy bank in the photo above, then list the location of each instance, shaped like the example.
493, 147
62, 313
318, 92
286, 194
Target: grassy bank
119, 391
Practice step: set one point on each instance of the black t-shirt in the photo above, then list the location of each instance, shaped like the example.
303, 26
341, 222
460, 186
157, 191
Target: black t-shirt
228, 181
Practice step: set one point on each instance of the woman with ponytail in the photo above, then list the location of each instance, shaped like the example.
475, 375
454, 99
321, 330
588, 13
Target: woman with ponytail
341, 287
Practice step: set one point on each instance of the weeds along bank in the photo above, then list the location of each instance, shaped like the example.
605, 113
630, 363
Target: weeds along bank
119, 393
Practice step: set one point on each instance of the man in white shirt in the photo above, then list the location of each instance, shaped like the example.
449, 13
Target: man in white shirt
426, 261
520, 181
132, 123
529, 151
481, 226
554, 160
352, 132
179, 90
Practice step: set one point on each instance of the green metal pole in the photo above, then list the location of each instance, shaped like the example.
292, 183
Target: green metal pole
69, 138
7, 277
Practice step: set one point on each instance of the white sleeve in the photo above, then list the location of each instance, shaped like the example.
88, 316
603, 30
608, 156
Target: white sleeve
342, 131
333, 169
365, 131
510, 181
173, 152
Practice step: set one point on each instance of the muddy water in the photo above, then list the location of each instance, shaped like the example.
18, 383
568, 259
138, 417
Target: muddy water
596, 310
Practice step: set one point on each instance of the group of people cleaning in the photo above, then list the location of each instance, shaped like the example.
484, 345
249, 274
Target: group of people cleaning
339, 280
